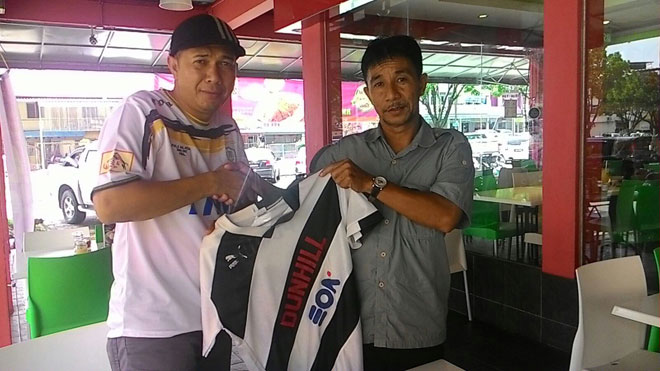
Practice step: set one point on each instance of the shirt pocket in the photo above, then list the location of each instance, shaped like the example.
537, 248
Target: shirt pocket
412, 230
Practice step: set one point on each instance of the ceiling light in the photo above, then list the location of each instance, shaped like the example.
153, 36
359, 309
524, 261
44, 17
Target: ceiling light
482, 16
356, 37
433, 42
176, 5
606, 22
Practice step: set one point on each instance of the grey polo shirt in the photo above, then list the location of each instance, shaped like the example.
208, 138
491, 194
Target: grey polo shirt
401, 268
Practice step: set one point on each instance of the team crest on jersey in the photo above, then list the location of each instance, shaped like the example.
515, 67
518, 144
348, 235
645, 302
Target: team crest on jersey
324, 299
181, 149
231, 154
116, 161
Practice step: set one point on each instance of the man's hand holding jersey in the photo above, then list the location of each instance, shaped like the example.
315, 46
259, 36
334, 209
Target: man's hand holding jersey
423, 207
253, 186
233, 183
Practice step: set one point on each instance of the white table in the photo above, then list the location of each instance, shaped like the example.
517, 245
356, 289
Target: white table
82, 348
640, 360
64, 251
439, 365
520, 196
645, 310
526, 201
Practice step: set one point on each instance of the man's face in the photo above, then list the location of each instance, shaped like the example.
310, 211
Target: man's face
203, 78
394, 88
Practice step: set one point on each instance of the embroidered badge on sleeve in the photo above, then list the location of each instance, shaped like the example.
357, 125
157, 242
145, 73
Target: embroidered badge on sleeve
116, 161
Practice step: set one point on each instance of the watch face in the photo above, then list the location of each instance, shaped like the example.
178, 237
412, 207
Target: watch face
380, 182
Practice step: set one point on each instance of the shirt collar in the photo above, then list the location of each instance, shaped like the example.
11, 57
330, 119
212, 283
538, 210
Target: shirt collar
424, 137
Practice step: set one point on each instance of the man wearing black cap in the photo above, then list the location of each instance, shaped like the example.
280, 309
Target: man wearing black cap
171, 164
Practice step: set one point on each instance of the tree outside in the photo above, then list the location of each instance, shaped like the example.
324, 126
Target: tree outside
439, 102
615, 88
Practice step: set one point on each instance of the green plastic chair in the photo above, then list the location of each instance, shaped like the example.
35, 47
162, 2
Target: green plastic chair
653, 166
68, 292
624, 224
648, 212
614, 167
654, 335
485, 217
529, 164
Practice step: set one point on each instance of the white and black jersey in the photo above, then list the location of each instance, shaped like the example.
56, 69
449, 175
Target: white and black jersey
279, 281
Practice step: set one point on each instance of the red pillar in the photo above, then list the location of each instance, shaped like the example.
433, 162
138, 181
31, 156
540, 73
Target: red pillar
5, 291
321, 82
562, 135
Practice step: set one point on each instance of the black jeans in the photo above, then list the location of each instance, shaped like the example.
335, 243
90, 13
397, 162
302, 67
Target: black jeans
181, 353
386, 359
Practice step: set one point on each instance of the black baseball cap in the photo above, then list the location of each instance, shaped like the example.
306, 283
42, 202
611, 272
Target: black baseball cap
201, 30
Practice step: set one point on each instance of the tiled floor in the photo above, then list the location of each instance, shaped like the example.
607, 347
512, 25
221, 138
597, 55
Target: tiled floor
478, 346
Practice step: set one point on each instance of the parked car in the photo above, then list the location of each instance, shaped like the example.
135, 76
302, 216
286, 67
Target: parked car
301, 161
264, 163
73, 179
481, 144
516, 148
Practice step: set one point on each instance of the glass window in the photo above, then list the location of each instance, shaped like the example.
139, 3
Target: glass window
32, 110
621, 163
484, 63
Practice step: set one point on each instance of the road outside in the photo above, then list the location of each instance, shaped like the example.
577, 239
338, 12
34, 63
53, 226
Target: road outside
45, 204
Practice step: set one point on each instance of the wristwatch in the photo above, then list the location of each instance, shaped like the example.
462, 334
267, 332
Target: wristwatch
378, 184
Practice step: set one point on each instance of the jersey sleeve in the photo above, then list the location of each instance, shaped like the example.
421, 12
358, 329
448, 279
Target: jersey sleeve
359, 215
125, 145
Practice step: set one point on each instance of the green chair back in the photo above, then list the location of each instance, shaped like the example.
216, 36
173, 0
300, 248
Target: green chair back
648, 212
654, 335
485, 183
68, 292
614, 167
485, 213
653, 166
529, 164
625, 220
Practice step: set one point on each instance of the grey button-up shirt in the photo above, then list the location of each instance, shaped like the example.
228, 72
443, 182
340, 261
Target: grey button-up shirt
401, 268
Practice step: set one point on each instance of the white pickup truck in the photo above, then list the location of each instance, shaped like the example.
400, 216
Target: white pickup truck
73, 180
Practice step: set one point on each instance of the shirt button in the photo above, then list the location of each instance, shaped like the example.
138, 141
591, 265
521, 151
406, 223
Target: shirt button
393, 162
387, 221
381, 284
383, 254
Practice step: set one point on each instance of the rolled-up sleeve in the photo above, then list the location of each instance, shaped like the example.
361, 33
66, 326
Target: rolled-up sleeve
455, 180
324, 157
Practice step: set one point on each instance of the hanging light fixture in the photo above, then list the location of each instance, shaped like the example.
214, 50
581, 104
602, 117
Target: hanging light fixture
176, 5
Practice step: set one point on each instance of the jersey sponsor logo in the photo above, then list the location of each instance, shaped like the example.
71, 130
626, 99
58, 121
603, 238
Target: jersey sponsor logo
116, 161
324, 299
161, 102
298, 287
209, 205
231, 154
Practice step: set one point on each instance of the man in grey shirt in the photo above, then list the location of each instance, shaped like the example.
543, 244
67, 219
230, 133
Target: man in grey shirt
421, 180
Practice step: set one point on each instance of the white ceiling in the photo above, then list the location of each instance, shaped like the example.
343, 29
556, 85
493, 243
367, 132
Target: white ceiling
55, 47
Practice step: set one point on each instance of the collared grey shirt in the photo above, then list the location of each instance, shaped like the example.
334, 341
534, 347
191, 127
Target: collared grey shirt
401, 268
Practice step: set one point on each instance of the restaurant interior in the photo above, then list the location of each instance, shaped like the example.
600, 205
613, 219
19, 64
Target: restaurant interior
559, 268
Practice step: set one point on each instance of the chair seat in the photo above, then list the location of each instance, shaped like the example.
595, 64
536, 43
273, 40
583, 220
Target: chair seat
639, 360
534, 238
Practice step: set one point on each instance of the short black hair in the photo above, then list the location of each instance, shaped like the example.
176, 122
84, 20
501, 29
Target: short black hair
384, 48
